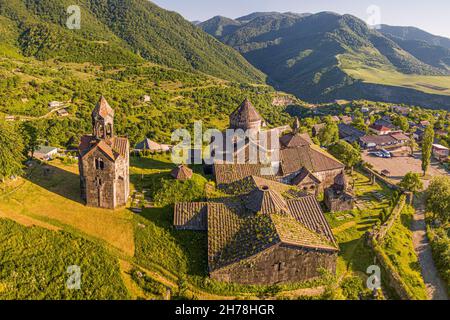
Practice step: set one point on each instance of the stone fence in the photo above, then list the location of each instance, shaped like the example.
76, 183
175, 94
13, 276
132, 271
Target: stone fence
375, 239
381, 178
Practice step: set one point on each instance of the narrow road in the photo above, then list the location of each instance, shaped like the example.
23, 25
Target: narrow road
436, 289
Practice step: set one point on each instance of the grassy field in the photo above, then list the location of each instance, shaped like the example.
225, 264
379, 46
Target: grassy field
349, 227
154, 258
390, 77
53, 197
34, 264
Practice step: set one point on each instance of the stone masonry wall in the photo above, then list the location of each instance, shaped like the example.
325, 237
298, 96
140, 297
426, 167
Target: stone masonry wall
278, 264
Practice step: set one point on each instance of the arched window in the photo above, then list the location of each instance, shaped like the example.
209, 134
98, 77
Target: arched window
109, 130
100, 130
99, 164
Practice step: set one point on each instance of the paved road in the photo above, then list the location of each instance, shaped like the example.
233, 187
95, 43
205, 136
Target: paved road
436, 289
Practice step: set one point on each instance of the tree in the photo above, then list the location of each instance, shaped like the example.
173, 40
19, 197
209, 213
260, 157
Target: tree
402, 123
427, 147
411, 182
438, 198
346, 153
11, 151
30, 138
412, 144
360, 124
329, 134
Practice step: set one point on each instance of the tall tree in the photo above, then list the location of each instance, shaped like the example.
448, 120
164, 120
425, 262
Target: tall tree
427, 147
30, 138
438, 198
11, 151
412, 144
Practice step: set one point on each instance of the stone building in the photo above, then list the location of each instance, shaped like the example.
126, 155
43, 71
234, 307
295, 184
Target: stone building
269, 233
104, 162
337, 197
182, 173
246, 117
299, 162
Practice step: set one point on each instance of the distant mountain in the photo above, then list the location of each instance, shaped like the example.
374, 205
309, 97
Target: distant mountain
326, 56
118, 32
412, 33
220, 26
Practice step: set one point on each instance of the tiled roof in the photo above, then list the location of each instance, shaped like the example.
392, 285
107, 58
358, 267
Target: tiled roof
102, 108
182, 172
291, 232
190, 216
307, 211
234, 235
346, 130
318, 127
379, 140
303, 175
266, 201
292, 140
294, 159
400, 136
45, 149
246, 113
106, 148
120, 145
229, 173
148, 144
113, 147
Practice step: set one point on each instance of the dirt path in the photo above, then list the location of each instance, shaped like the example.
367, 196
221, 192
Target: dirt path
436, 289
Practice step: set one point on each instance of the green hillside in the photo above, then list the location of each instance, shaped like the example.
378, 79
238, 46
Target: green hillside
117, 32
327, 56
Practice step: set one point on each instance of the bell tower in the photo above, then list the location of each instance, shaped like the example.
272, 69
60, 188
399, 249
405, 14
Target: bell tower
103, 120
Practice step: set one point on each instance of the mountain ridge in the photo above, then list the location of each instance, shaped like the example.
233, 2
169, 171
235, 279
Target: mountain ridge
121, 32
316, 56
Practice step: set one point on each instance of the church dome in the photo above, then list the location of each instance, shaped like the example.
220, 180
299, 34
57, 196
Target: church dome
245, 117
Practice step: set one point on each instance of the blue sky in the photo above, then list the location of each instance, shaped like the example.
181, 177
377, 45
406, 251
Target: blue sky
430, 15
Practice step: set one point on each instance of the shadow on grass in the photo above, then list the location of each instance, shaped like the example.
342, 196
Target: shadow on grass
357, 255
56, 180
150, 163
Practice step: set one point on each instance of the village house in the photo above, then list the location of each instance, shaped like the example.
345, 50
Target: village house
404, 111
62, 113
349, 133
316, 129
55, 104
346, 119
440, 152
104, 162
261, 236
45, 153
381, 141
418, 134
423, 124
152, 146
379, 129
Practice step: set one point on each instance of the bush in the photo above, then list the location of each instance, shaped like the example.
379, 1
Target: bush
440, 244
